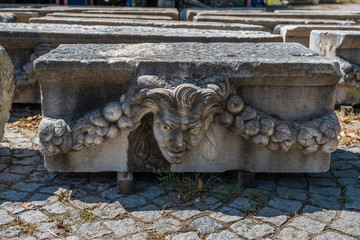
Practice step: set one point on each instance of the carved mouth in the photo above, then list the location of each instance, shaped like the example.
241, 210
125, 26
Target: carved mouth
176, 153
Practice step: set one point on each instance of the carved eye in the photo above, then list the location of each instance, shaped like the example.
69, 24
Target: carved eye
165, 127
194, 130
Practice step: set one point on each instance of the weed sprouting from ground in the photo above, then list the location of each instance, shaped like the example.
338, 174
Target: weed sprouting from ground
26, 228
86, 214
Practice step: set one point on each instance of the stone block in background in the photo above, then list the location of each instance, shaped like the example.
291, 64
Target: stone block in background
7, 87
301, 33
265, 107
268, 22
8, 17
26, 42
345, 47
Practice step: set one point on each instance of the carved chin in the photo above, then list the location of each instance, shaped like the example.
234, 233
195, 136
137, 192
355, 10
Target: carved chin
173, 157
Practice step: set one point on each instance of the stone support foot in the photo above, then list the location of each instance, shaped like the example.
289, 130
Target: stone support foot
125, 183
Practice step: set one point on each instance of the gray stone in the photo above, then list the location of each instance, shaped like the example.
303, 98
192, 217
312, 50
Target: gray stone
333, 236
132, 201
19, 169
328, 191
347, 181
58, 208
227, 214
123, 227
285, 205
318, 214
152, 192
353, 194
92, 230
308, 225
346, 173
33, 216
325, 201
2, 166
322, 182
165, 226
321, 175
7, 83
44, 229
185, 214
273, 216
347, 227
27, 161
111, 194
340, 165
147, 23
21, 153
248, 229
290, 193
5, 218
148, 213
351, 216
223, 235
11, 177
355, 163
240, 203
114, 16
186, 236
241, 57
109, 211
14, 207
40, 199
347, 155
9, 232
55, 190
4, 152
13, 195
289, 182
28, 187
209, 203
265, 184
290, 233
205, 225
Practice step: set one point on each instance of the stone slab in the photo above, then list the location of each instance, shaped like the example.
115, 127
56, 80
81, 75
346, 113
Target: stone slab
301, 33
115, 16
7, 87
78, 79
8, 17
345, 46
191, 13
21, 41
174, 14
148, 23
269, 22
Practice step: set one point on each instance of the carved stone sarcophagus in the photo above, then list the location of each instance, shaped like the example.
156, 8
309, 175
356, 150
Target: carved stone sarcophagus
265, 107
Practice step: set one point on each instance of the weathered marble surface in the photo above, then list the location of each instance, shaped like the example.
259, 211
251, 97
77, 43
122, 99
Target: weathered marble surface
8, 17
191, 13
98, 103
345, 47
7, 87
301, 33
121, 16
269, 22
173, 13
148, 23
20, 41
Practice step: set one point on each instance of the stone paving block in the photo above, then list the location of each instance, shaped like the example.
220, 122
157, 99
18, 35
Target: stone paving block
290, 233
205, 225
353, 194
132, 201
152, 192
5, 218
291, 182
13, 195
9, 232
226, 214
58, 208
346, 173
265, 184
346, 155
33, 216
20, 153
14, 207
273, 216
44, 229
350, 216
347, 181
318, 214
27, 161
333, 236
291, 193
320, 175
109, 211
285, 205
322, 182
223, 235
325, 201
248, 229
40, 199
340, 165
209, 203
148, 213
241, 203
185, 214
93, 200
355, 163
5, 152
11, 177
19, 169
328, 191
165, 226
351, 228
56, 190
28, 187
308, 225
123, 227
2, 166
111, 194
168, 201
92, 230
186, 236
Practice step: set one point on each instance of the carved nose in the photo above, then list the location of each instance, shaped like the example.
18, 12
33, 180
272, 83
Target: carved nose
177, 140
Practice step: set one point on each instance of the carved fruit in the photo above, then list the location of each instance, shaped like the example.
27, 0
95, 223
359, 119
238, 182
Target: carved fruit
98, 139
252, 127
312, 148
225, 119
238, 126
261, 139
305, 138
273, 145
330, 128
125, 122
98, 120
330, 146
112, 111
60, 127
113, 131
248, 113
266, 126
57, 140
282, 133
234, 104
101, 131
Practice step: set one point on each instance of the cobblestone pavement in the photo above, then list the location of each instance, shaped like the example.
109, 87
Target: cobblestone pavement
36, 204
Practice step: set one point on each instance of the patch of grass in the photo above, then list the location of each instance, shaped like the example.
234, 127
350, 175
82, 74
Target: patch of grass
316, 202
343, 200
86, 214
49, 219
156, 236
63, 228
64, 196
26, 228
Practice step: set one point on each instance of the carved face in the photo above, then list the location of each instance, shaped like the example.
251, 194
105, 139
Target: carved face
178, 134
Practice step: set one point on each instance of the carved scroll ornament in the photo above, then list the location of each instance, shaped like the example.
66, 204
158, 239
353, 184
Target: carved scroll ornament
182, 114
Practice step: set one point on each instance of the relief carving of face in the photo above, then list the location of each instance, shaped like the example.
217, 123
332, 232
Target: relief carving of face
178, 135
